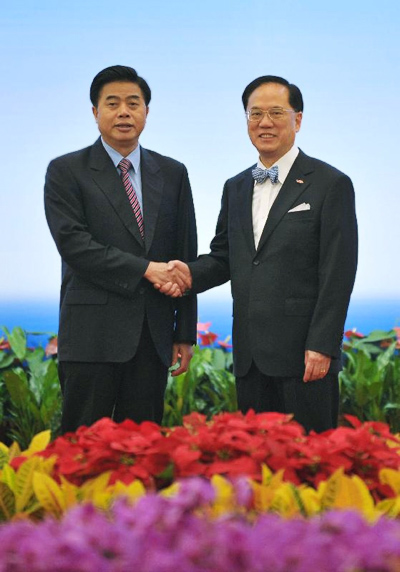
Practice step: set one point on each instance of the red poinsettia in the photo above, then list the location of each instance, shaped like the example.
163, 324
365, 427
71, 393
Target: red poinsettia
52, 347
353, 334
230, 444
207, 339
387, 343
225, 343
4, 344
203, 326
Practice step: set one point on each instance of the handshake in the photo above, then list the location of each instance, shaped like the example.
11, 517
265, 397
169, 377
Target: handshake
170, 278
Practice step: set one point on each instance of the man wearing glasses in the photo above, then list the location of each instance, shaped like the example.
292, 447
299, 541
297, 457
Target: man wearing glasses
287, 239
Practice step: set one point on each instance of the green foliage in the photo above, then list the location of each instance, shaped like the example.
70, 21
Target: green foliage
30, 396
370, 380
207, 387
29, 390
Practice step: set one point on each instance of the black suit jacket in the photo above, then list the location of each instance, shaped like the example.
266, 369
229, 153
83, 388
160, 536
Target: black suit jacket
104, 297
292, 293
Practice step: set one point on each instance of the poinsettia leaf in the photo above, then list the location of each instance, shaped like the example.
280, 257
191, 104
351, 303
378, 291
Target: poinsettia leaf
167, 474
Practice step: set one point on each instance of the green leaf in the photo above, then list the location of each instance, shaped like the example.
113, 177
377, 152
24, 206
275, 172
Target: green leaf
17, 340
391, 406
47, 334
51, 374
35, 361
385, 357
6, 359
17, 386
378, 336
168, 473
218, 359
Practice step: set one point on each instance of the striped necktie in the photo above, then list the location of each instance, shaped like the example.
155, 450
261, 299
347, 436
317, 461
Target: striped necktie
125, 165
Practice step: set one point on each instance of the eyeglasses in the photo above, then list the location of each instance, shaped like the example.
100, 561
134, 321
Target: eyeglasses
274, 113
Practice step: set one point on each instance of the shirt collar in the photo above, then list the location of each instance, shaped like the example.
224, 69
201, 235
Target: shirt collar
284, 164
115, 156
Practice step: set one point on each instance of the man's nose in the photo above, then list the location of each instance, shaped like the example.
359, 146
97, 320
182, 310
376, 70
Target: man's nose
123, 110
266, 120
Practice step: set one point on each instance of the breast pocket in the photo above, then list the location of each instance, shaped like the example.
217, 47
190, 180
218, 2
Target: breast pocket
299, 216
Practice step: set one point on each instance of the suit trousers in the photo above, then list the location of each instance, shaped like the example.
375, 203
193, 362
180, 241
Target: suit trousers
314, 404
132, 390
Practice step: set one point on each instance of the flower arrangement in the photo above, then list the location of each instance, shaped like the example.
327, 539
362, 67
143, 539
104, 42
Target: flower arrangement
207, 496
288, 472
230, 444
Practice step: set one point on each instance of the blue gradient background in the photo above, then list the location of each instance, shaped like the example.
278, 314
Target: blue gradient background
197, 58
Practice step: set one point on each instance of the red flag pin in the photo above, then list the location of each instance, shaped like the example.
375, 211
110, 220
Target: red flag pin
299, 181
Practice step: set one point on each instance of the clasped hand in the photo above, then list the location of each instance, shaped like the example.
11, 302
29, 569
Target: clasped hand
172, 279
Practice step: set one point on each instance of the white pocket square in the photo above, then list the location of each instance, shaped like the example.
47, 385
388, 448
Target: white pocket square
302, 207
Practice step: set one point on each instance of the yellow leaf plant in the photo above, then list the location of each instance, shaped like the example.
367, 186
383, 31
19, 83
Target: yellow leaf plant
31, 491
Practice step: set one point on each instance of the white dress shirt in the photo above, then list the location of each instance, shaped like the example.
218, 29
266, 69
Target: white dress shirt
264, 194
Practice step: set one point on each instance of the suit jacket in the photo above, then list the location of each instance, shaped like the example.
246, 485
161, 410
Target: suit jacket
104, 297
292, 292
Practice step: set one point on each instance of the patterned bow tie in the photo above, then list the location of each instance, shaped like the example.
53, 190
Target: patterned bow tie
260, 175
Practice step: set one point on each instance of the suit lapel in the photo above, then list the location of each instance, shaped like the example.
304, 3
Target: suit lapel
245, 204
295, 184
152, 188
106, 178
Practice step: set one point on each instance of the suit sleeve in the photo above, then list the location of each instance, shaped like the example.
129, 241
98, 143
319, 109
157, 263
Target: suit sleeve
212, 269
186, 307
337, 268
102, 265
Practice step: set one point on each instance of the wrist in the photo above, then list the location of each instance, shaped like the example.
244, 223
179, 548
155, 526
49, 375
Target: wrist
149, 271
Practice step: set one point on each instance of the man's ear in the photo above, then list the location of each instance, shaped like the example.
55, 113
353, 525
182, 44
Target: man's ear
299, 117
94, 110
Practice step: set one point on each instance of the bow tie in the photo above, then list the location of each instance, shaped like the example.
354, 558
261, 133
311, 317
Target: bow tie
260, 175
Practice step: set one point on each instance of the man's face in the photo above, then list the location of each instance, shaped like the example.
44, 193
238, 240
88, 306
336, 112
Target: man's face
272, 138
121, 115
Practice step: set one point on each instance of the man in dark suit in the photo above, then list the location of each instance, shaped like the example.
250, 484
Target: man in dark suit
118, 213
287, 239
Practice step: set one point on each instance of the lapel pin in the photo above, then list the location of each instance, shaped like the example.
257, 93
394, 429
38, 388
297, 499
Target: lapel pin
299, 181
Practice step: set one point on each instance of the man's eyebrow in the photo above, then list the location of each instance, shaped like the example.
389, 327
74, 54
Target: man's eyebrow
118, 97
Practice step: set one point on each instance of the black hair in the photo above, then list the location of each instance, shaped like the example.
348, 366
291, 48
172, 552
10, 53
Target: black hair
295, 97
117, 73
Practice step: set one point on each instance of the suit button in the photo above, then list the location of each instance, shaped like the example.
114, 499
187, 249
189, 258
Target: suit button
256, 262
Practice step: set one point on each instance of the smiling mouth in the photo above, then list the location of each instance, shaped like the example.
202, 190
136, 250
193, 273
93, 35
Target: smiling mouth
267, 136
